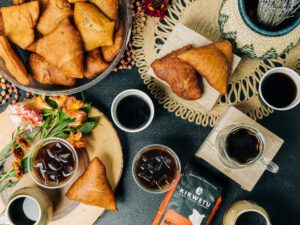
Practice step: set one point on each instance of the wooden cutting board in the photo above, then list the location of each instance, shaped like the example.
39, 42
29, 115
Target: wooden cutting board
103, 143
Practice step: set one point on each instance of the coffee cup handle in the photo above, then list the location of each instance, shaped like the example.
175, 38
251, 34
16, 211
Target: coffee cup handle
270, 165
3, 219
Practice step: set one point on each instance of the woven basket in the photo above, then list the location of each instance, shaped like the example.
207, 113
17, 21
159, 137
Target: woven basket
251, 41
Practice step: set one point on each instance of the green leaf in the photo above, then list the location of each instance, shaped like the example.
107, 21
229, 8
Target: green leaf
87, 127
52, 103
32, 134
87, 108
47, 111
94, 119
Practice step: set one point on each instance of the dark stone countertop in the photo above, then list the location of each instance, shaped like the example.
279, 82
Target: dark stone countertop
277, 193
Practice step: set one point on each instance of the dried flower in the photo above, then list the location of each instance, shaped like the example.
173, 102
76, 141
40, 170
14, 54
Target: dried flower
23, 115
273, 12
156, 8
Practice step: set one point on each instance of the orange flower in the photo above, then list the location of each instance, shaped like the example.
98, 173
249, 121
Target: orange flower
77, 140
72, 108
60, 100
72, 104
18, 169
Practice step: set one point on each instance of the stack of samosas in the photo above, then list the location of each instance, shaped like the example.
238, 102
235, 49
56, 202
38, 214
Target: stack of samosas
69, 39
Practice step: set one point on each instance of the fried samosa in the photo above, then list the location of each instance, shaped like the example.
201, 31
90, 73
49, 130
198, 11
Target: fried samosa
110, 52
226, 48
62, 48
74, 1
2, 31
43, 4
96, 30
45, 73
211, 63
12, 61
181, 76
95, 64
18, 2
108, 7
19, 22
93, 188
55, 12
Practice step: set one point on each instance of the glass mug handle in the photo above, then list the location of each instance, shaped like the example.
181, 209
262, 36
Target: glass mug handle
270, 165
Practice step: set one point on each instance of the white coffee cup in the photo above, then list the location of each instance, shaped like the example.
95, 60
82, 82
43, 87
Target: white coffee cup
132, 92
288, 72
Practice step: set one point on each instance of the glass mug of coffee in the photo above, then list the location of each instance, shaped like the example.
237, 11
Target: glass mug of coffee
242, 145
27, 206
279, 89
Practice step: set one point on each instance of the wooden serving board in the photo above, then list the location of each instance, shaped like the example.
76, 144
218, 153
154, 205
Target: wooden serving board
103, 143
247, 177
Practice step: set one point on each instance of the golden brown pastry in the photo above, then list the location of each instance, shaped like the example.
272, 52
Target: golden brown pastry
12, 62
94, 64
93, 188
2, 31
108, 7
226, 48
62, 48
19, 22
96, 30
45, 73
110, 52
55, 12
18, 2
43, 4
181, 76
74, 1
211, 63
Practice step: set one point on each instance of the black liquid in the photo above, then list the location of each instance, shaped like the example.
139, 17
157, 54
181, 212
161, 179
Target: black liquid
251, 218
242, 145
156, 169
17, 214
279, 90
54, 163
133, 112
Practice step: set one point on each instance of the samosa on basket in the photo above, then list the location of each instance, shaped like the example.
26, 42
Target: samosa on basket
213, 62
181, 76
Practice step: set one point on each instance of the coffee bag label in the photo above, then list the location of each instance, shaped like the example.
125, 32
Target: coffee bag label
193, 201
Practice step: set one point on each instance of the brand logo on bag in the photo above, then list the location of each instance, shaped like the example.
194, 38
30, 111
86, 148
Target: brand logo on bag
195, 197
199, 191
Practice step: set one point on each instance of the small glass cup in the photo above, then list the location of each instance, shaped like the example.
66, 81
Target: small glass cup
151, 148
36, 148
234, 164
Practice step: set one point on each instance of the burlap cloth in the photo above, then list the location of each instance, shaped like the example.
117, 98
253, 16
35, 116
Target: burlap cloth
202, 16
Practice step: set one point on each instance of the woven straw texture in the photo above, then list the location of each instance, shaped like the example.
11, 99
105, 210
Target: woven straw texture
248, 42
202, 17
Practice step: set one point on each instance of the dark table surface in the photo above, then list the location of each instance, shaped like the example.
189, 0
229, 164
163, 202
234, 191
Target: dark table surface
277, 193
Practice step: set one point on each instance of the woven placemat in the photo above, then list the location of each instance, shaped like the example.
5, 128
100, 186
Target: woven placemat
202, 17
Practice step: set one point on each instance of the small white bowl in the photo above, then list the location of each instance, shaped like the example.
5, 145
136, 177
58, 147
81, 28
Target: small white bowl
122, 95
293, 75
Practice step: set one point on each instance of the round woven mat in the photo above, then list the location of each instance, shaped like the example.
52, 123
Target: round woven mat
202, 16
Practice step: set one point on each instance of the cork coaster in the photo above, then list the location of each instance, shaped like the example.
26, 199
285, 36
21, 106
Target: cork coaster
249, 176
182, 36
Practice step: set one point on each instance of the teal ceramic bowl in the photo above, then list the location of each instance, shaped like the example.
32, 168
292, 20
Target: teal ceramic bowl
288, 26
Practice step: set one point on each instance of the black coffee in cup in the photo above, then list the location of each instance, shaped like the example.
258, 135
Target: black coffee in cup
243, 145
251, 218
279, 90
133, 112
23, 211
